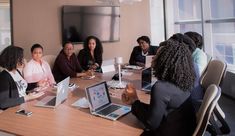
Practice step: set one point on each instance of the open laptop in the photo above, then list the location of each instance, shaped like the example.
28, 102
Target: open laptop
146, 79
100, 103
148, 60
108, 66
61, 95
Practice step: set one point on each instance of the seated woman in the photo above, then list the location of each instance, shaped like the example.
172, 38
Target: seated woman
198, 55
170, 111
139, 52
197, 91
90, 57
13, 86
37, 72
66, 64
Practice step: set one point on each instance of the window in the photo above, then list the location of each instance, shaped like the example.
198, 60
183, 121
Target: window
157, 21
214, 19
5, 24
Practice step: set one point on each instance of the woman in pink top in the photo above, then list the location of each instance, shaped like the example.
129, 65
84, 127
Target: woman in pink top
37, 72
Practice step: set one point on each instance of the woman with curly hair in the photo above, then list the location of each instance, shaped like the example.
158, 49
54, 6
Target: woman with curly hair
170, 111
90, 57
13, 86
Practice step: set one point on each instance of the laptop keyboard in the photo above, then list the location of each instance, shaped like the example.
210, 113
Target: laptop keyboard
51, 102
109, 109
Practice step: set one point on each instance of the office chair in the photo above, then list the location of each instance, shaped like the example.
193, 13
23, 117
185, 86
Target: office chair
1, 69
203, 115
214, 74
50, 59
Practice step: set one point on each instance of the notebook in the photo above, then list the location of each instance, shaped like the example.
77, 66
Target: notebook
61, 95
146, 79
100, 103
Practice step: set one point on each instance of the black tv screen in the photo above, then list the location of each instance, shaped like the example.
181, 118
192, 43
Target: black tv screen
79, 22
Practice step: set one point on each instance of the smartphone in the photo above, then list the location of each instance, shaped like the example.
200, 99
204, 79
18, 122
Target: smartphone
71, 84
24, 112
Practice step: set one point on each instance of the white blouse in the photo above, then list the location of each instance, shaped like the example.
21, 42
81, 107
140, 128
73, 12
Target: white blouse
20, 83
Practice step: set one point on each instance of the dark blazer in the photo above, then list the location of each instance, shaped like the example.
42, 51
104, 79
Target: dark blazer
9, 95
85, 59
170, 111
63, 67
136, 55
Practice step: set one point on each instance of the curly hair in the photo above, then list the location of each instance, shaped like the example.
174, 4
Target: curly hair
11, 56
98, 48
196, 37
186, 40
173, 63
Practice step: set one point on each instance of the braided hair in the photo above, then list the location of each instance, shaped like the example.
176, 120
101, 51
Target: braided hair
174, 64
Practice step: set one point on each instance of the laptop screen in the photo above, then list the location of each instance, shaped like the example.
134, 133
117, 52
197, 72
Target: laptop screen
98, 95
146, 79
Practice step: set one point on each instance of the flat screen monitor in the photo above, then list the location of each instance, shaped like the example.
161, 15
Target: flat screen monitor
79, 22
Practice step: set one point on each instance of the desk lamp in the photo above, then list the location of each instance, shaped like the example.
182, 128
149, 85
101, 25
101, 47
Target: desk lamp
118, 61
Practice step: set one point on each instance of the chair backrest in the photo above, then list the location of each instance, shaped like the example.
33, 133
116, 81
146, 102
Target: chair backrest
209, 102
214, 73
50, 59
1, 69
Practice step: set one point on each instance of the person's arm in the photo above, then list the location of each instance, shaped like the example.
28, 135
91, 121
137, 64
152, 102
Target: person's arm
132, 57
82, 59
9, 95
98, 60
153, 50
79, 68
49, 75
140, 110
151, 115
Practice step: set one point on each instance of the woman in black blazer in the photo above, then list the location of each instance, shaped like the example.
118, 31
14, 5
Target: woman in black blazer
90, 57
139, 52
13, 86
170, 111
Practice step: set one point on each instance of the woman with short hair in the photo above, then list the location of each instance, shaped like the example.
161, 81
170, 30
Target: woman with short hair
37, 72
66, 64
139, 52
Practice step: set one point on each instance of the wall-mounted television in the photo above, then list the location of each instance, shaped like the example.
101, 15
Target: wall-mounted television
79, 22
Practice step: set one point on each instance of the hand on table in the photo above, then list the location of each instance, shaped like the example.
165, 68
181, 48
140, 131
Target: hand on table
33, 95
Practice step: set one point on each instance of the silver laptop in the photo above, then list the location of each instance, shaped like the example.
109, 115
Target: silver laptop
100, 103
148, 60
146, 79
108, 66
61, 95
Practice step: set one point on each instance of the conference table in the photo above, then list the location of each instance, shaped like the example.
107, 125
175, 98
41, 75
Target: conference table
67, 120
